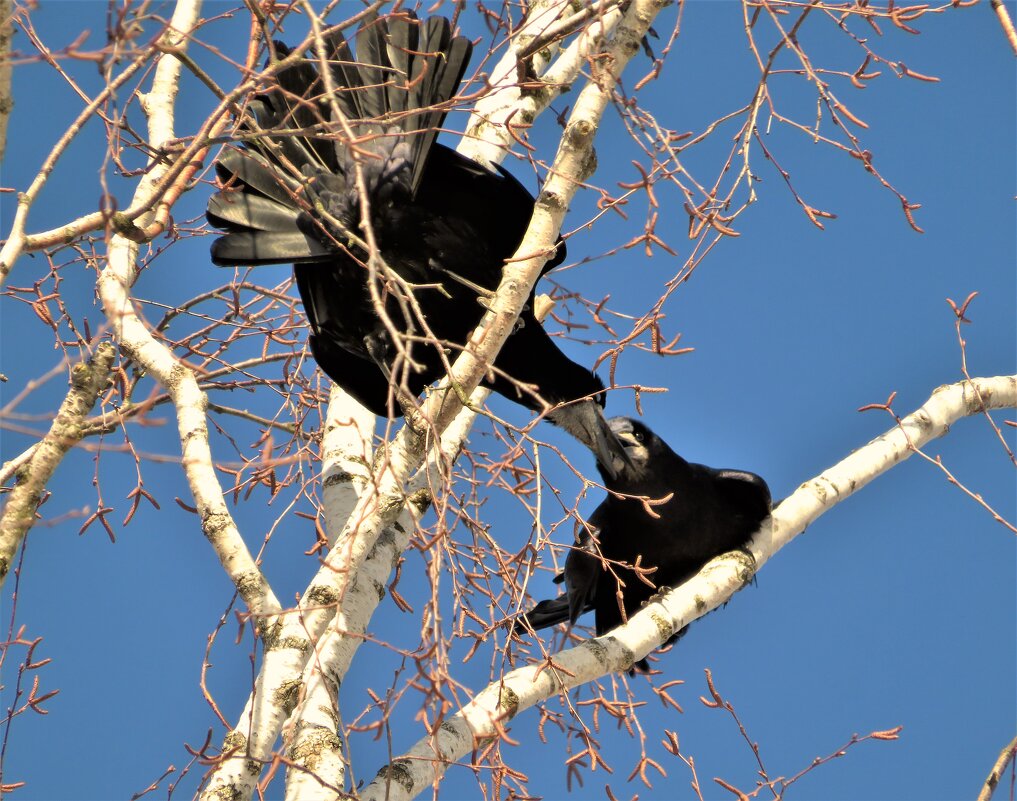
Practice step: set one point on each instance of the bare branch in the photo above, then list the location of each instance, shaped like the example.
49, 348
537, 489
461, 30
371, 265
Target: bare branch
179, 381
1005, 757
489, 132
6, 99
15, 243
88, 379
1006, 24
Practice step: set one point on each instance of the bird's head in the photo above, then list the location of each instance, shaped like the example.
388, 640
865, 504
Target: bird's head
642, 447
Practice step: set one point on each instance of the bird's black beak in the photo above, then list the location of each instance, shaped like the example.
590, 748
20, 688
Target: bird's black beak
585, 421
610, 452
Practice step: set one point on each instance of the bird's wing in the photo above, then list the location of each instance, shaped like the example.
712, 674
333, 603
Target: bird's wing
744, 493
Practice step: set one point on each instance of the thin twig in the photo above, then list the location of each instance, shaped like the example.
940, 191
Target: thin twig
1005, 22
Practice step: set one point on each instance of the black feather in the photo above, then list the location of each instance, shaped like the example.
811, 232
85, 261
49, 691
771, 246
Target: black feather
248, 210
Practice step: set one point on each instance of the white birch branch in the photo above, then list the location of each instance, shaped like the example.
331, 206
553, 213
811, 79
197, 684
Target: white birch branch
1005, 757
316, 737
487, 138
88, 379
488, 134
346, 453
316, 745
6, 99
315, 726
487, 714
17, 239
279, 685
299, 677
134, 337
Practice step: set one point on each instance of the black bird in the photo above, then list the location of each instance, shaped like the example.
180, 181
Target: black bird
443, 224
708, 512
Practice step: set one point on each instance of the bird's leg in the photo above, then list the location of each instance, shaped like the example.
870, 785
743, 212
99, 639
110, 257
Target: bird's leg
485, 296
662, 590
377, 349
750, 565
521, 319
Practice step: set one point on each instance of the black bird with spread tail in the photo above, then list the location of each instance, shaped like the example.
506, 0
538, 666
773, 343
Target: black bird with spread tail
318, 145
707, 512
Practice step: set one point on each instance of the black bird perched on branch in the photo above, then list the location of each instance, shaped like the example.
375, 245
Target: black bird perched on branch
322, 144
707, 512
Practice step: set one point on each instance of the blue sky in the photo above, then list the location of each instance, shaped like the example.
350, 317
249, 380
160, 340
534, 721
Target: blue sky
896, 608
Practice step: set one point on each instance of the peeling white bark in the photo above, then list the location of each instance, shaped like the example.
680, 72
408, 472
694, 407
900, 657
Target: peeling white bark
488, 134
347, 449
315, 740
316, 736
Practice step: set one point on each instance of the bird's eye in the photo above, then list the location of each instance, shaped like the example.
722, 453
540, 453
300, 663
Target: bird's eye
638, 435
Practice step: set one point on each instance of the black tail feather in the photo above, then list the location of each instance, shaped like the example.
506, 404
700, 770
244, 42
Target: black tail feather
242, 210
402, 67
258, 173
400, 48
370, 62
267, 247
405, 66
345, 76
446, 74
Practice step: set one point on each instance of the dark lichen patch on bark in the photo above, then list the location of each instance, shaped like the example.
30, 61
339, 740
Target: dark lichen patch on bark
321, 595
287, 694
508, 701
399, 772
